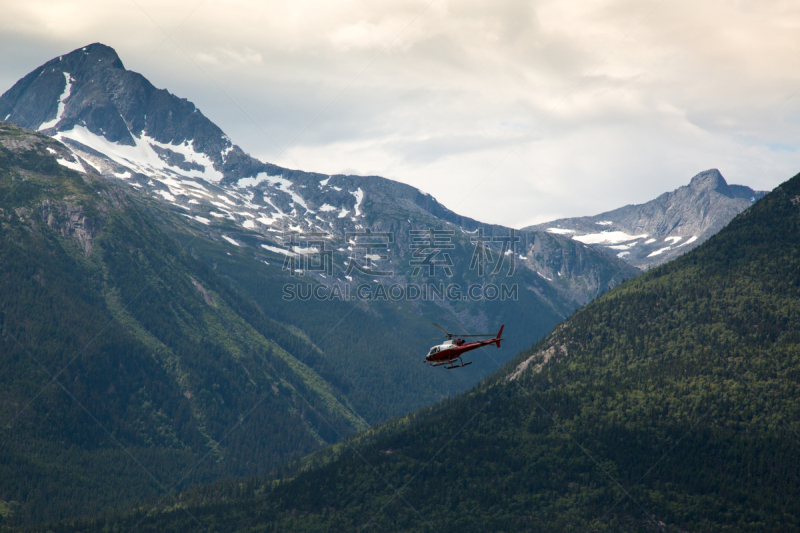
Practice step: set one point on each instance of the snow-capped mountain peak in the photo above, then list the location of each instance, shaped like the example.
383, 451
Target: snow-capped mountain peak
126, 129
652, 233
88, 96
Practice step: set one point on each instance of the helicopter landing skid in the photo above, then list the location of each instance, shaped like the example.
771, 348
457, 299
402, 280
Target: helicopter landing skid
463, 364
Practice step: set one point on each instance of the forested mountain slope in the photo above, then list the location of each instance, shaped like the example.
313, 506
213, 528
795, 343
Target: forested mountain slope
239, 216
167, 336
126, 364
668, 404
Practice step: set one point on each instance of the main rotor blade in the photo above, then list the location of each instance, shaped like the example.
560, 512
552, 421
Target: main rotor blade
484, 335
441, 328
428, 340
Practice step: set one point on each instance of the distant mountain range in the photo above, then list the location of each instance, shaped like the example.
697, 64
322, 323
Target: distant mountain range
126, 129
119, 123
660, 230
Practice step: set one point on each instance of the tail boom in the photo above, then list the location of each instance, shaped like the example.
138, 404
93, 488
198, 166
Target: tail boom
498, 338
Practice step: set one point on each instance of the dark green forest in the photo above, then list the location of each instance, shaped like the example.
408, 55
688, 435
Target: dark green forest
374, 348
668, 404
374, 344
139, 354
127, 364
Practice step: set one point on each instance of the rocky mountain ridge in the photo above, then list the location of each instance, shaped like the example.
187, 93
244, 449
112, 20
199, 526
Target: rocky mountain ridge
128, 130
649, 234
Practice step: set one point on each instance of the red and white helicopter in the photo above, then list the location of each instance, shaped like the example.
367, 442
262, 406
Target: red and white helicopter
451, 350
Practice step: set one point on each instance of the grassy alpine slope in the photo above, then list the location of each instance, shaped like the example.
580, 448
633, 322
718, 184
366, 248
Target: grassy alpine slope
126, 363
669, 404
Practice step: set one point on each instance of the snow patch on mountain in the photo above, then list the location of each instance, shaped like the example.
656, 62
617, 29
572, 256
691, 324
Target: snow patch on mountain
228, 149
74, 165
61, 105
359, 194
607, 237
624, 246
166, 195
285, 185
142, 157
251, 182
660, 251
277, 250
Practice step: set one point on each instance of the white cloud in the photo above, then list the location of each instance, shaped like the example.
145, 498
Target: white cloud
228, 56
544, 109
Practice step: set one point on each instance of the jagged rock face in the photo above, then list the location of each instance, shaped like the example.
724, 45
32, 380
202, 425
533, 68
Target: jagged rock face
127, 130
71, 220
67, 216
90, 88
655, 232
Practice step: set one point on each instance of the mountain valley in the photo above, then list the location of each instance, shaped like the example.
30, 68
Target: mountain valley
191, 337
233, 379
668, 404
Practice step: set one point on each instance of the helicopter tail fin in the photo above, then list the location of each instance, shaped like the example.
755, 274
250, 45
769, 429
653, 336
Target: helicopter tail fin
499, 334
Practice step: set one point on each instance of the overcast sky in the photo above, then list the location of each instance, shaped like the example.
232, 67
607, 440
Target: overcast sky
510, 112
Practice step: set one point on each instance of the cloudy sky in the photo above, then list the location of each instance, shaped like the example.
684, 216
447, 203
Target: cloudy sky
512, 112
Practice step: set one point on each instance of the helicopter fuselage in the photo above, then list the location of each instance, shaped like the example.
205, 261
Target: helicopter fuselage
451, 350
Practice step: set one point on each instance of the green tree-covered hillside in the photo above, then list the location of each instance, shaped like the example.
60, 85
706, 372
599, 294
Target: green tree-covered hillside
128, 366
141, 353
672, 403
